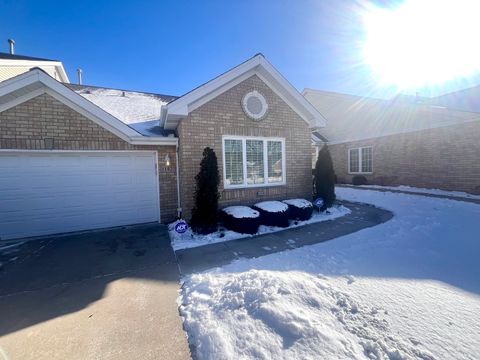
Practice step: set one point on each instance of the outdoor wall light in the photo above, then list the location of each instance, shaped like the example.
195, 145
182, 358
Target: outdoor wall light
167, 160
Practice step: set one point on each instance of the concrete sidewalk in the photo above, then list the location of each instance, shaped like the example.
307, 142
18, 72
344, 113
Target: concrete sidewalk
209, 256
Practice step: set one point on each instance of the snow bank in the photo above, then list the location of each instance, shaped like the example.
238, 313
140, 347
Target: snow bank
240, 212
190, 239
405, 289
424, 191
299, 203
272, 206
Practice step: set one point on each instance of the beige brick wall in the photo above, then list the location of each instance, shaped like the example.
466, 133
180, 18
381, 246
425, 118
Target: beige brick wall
224, 116
26, 126
444, 158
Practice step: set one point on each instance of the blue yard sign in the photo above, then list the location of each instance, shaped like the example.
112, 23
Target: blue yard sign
318, 203
181, 227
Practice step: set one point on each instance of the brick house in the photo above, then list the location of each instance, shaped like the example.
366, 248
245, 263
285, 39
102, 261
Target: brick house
76, 157
403, 141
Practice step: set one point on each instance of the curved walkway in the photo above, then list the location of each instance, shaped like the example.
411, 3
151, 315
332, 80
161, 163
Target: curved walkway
209, 256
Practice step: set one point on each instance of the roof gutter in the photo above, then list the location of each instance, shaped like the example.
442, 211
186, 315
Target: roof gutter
145, 140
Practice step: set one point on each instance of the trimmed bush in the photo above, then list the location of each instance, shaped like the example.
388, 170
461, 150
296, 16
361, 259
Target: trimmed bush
299, 209
205, 212
324, 178
273, 213
241, 219
359, 180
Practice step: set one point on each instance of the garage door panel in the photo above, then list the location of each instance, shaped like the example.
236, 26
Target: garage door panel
52, 192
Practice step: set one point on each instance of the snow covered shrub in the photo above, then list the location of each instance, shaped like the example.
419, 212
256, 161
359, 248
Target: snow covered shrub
359, 180
273, 213
205, 212
324, 178
299, 209
241, 219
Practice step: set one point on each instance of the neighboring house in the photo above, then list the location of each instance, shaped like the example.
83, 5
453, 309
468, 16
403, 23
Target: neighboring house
400, 141
12, 65
465, 99
75, 157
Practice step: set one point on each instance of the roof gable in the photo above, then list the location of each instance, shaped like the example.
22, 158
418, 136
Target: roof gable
258, 65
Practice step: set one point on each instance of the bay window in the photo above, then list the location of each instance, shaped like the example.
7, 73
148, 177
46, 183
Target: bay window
253, 161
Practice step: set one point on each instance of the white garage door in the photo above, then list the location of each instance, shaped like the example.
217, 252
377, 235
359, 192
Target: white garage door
45, 193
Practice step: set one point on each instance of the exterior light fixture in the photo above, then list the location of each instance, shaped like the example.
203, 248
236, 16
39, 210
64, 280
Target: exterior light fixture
167, 160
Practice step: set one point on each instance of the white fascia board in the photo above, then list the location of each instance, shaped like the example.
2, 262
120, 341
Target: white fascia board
258, 65
77, 103
63, 74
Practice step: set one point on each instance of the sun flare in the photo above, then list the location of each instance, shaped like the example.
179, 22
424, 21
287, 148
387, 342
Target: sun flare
423, 42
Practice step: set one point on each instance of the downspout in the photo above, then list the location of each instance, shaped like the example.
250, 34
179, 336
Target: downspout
163, 116
179, 205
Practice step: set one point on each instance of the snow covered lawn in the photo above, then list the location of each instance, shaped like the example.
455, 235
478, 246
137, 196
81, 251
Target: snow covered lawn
190, 239
459, 194
405, 289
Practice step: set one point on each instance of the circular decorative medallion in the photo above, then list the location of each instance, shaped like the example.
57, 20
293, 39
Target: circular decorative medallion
254, 105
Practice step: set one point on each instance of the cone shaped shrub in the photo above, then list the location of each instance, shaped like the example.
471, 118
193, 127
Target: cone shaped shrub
205, 212
324, 178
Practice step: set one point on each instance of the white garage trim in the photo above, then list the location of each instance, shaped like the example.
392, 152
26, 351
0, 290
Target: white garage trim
124, 165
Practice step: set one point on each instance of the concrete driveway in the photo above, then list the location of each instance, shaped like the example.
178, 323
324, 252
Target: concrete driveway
98, 295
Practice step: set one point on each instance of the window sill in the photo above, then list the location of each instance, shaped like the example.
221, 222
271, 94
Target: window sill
360, 173
255, 186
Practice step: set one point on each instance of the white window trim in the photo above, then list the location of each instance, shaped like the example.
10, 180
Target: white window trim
244, 160
360, 153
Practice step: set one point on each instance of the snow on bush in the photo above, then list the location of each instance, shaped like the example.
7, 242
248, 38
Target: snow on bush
272, 206
299, 209
273, 213
241, 219
299, 203
405, 289
240, 212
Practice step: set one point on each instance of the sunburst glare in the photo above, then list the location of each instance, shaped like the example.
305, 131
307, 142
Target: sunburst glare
423, 42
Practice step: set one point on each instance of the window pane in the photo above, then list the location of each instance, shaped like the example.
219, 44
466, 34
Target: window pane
255, 169
367, 160
275, 166
353, 165
233, 162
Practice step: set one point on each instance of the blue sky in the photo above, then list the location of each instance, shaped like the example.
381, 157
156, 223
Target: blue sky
173, 46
